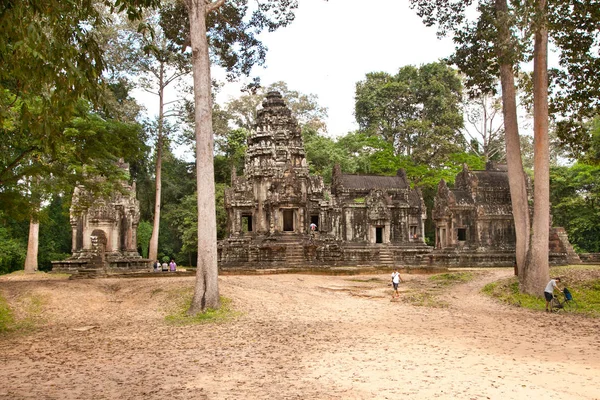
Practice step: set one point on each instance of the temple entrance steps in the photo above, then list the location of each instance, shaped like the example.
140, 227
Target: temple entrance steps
386, 256
294, 254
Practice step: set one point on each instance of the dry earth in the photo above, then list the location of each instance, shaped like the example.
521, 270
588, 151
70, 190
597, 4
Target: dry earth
298, 337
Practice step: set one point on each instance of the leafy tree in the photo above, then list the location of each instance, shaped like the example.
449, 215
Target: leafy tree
490, 46
51, 62
144, 232
486, 49
575, 197
12, 244
184, 218
575, 89
417, 110
55, 232
323, 152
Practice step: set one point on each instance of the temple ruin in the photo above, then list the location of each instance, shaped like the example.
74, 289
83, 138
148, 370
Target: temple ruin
104, 233
474, 222
281, 216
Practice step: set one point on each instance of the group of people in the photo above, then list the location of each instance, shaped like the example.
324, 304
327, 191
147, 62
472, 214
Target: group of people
164, 267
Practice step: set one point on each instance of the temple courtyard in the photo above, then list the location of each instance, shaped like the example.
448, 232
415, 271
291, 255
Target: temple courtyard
293, 337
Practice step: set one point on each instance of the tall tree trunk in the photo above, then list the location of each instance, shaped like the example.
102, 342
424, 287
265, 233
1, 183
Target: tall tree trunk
536, 274
516, 175
153, 248
31, 260
206, 291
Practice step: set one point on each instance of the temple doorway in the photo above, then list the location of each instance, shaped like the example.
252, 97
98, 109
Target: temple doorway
379, 234
288, 220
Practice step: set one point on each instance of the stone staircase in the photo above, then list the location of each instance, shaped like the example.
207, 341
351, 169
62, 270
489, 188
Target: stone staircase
294, 254
386, 256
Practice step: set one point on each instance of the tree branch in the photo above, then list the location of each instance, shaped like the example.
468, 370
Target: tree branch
16, 160
214, 5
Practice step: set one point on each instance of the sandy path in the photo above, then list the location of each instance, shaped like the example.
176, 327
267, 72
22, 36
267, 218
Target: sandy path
299, 337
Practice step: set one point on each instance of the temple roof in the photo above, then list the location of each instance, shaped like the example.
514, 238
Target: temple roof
369, 182
462, 197
494, 179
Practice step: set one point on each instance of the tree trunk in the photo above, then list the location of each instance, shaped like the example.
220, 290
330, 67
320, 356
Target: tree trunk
206, 291
153, 248
516, 175
31, 260
537, 274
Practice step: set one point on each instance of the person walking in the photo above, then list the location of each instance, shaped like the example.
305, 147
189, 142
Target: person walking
549, 292
396, 279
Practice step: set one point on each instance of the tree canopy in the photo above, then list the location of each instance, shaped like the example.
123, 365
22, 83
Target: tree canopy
418, 110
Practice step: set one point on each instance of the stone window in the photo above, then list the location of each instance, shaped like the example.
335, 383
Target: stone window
461, 234
246, 223
413, 231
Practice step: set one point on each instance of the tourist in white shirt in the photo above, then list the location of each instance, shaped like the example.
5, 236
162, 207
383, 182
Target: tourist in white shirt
549, 291
396, 279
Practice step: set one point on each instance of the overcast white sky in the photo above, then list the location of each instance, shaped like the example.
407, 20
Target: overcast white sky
332, 44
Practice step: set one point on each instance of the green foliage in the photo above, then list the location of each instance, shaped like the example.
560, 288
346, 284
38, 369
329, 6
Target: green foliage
12, 250
573, 32
417, 111
183, 218
144, 233
55, 233
51, 61
575, 199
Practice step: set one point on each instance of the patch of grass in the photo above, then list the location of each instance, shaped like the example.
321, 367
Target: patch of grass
182, 299
359, 200
423, 299
582, 281
7, 319
29, 314
451, 278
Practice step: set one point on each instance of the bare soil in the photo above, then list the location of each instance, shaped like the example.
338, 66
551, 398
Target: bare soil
298, 337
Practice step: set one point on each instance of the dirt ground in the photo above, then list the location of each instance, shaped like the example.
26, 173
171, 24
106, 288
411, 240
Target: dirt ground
298, 337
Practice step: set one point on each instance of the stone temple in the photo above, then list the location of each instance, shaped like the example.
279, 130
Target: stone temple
281, 216
474, 222
104, 233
